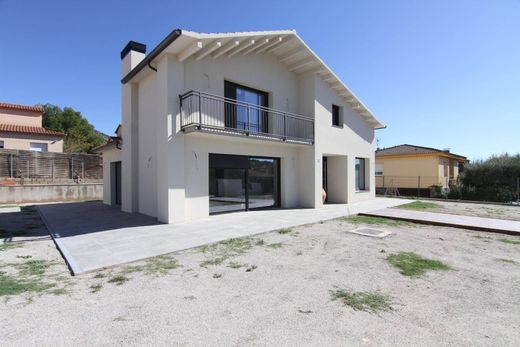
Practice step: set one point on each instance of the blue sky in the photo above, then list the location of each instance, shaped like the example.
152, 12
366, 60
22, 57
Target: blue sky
442, 73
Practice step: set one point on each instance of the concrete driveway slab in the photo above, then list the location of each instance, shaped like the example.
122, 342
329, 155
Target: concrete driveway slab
450, 220
92, 236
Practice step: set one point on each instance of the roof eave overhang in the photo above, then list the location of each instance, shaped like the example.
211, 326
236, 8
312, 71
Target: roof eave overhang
300, 57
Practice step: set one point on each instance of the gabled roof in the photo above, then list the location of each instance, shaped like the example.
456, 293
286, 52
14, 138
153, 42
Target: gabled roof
7, 106
411, 149
24, 129
286, 45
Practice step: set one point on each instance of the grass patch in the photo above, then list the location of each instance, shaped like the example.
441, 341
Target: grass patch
24, 256
155, 266
235, 265
34, 267
96, 288
373, 302
118, 280
284, 231
511, 242
414, 265
9, 245
99, 275
377, 221
418, 205
213, 262
217, 275
222, 251
10, 285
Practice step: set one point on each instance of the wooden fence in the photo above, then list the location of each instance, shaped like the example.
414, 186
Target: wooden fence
49, 166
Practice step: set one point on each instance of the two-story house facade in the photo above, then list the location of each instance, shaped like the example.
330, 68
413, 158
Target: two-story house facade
237, 121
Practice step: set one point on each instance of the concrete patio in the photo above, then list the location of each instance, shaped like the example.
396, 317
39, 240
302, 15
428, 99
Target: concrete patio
92, 236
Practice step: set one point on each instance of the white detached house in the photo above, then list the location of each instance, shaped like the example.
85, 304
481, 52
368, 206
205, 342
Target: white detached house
225, 122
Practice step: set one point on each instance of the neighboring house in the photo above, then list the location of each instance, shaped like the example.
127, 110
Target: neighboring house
111, 152
238, 121
416, 167
21, 128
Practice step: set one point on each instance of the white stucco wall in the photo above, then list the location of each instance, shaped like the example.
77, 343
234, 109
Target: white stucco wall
147, 149
355, 139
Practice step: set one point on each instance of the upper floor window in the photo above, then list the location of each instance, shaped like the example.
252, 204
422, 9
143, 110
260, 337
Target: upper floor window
336, 116
38, 147
1, 144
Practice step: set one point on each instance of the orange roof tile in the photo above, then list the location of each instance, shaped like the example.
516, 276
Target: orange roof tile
23, 129
5, 105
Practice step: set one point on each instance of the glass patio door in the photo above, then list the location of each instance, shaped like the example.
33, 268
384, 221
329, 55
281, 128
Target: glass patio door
238, 183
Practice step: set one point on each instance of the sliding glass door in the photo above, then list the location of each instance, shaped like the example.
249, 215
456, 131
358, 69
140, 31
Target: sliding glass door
239, 183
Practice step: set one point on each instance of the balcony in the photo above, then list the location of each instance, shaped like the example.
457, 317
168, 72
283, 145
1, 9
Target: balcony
220, 115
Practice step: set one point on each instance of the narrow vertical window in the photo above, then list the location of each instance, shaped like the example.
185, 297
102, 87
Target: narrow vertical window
360, 174
336, 119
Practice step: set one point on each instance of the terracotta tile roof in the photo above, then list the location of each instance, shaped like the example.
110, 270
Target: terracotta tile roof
411, 149
5, 105
23, 129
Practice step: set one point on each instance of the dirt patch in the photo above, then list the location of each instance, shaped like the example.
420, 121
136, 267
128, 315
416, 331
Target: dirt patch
319, 288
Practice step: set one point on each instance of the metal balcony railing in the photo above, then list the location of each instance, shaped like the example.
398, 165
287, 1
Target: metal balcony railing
217, 114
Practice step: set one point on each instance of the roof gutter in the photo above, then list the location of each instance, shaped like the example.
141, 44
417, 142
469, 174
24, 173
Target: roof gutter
153, 54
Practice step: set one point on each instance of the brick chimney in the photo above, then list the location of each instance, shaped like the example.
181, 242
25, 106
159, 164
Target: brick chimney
131, 55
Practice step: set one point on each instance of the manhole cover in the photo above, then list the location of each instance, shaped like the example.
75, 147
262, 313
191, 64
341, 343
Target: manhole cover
370, 232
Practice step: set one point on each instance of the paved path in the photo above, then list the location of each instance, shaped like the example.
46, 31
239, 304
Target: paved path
451, 220
91, 235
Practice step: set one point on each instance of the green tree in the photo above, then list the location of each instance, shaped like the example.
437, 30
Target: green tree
492, 179
80, 135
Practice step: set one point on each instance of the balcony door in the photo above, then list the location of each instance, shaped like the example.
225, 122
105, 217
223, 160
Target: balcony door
236, 115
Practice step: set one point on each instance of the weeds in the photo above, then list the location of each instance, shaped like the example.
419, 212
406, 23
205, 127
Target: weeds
118, 280
10, 285
373, 302
504, 260
155, 266
33, 267
414, 265
275, 245
235, 265
222, 251
96, 288
418, 205
285, 231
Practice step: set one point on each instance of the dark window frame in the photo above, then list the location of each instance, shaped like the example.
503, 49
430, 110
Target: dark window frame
230, 117
241, 162
336, 116
361, 174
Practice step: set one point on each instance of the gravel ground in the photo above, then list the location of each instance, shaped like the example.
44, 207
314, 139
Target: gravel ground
477, 210
278, 296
